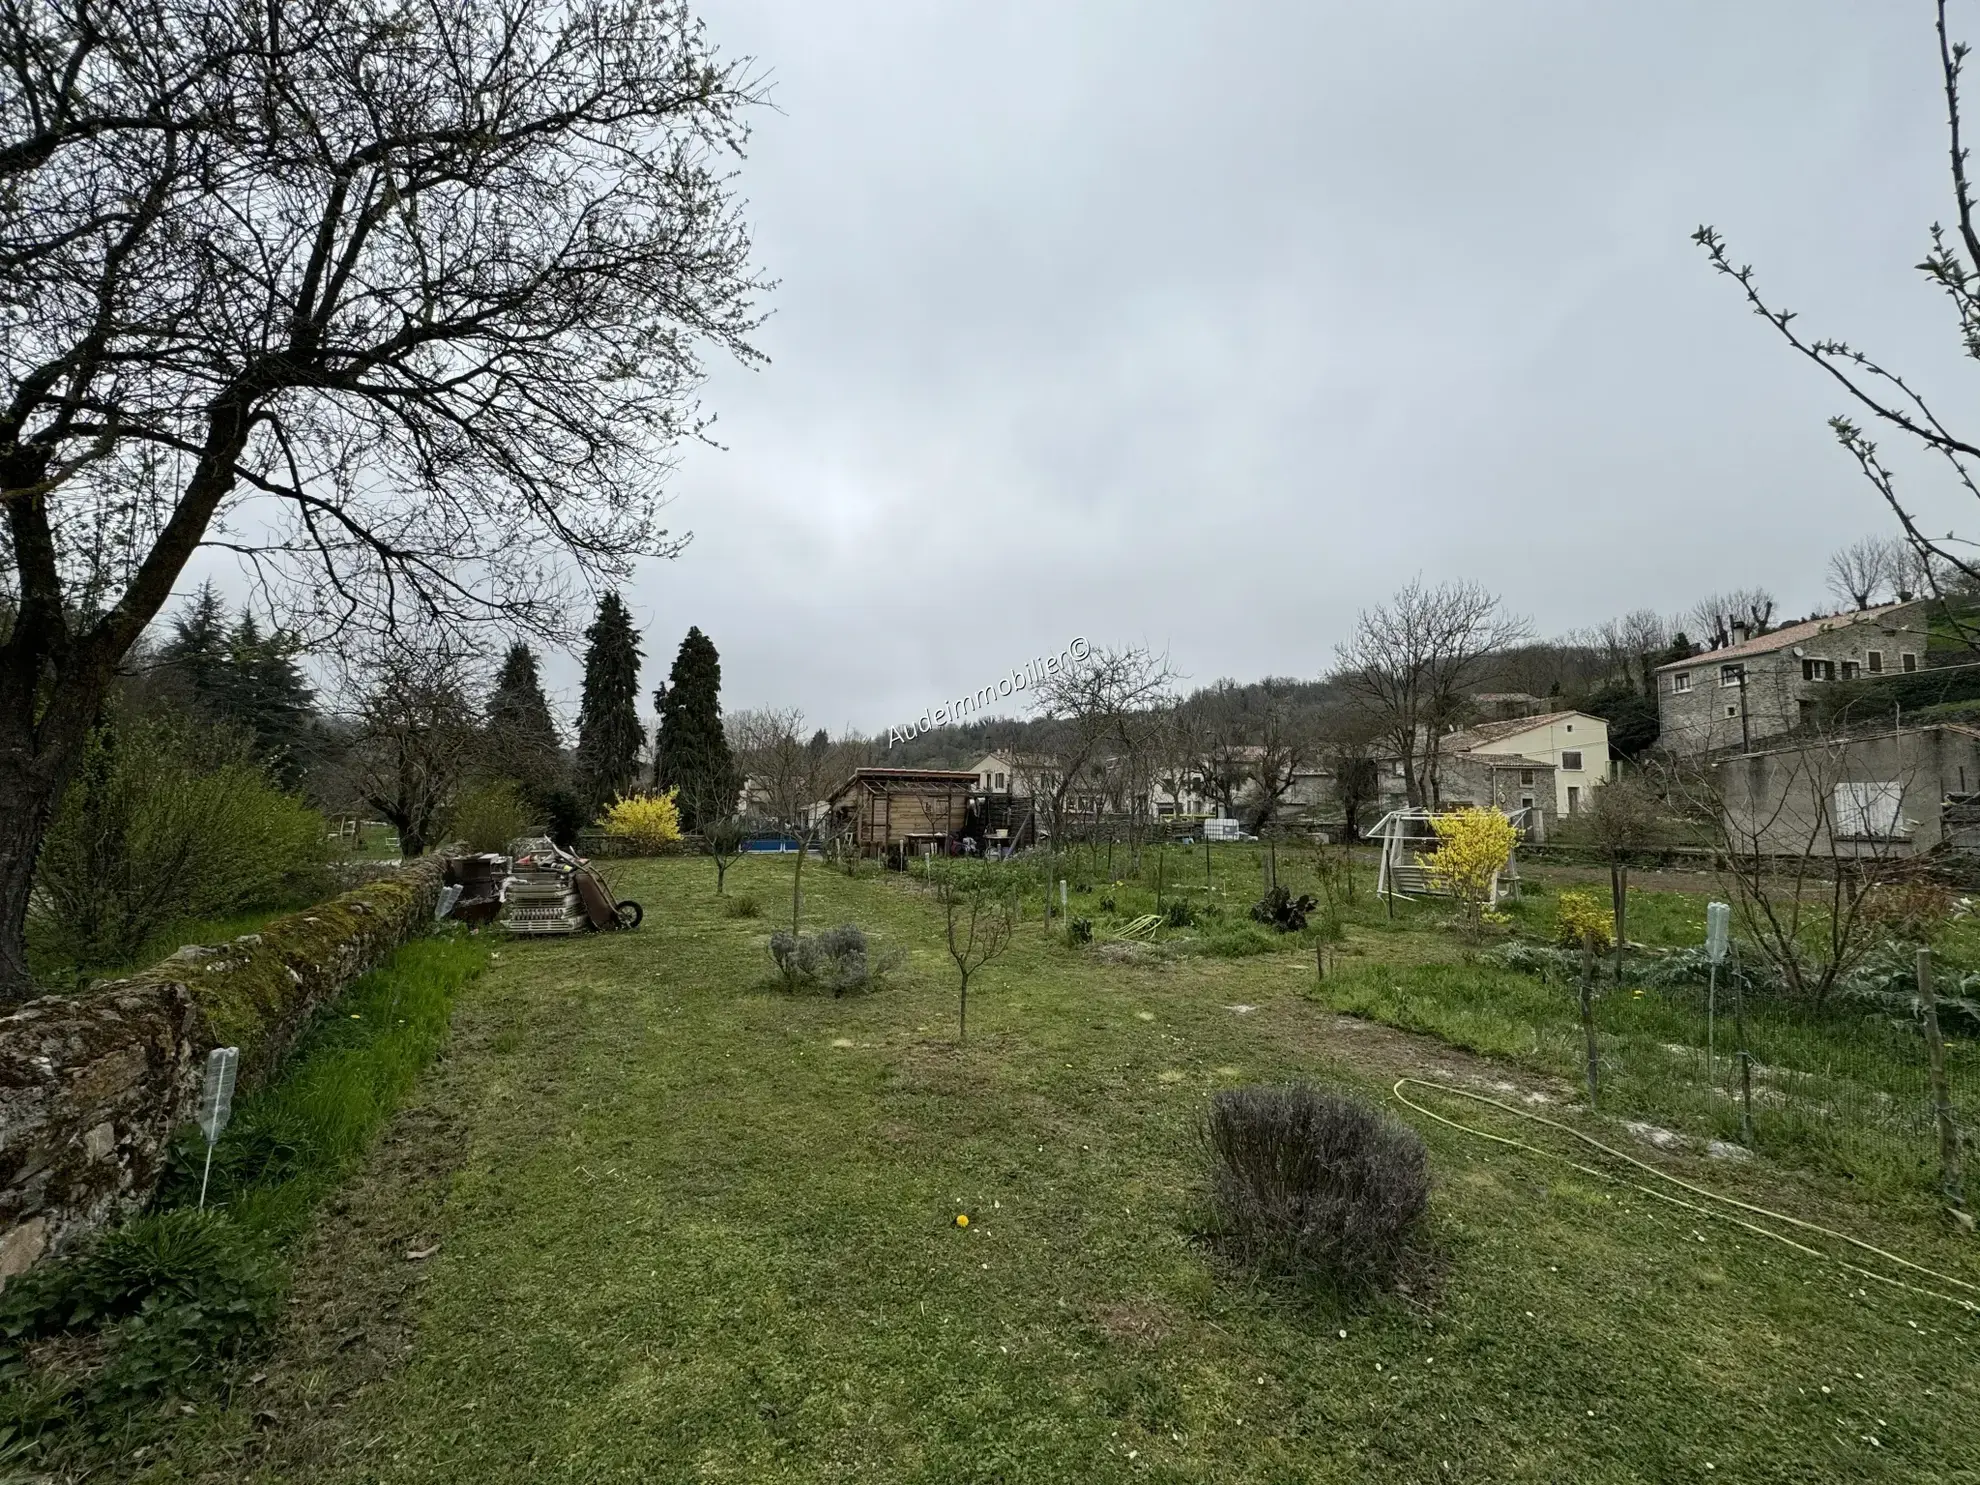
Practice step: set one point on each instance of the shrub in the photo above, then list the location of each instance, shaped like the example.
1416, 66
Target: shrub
1180, 913
1314, 1183
487, 818
834, 960
1473, 847
1577, 915
741, 907
1915, 912
649, 821
1279, 909
167, 821
1079, 931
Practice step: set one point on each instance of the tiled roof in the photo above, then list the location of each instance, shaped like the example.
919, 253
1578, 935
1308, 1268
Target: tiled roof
1793, 634
1480, 733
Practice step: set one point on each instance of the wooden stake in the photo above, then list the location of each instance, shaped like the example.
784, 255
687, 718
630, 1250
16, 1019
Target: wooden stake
1935, 1051
1588, 1013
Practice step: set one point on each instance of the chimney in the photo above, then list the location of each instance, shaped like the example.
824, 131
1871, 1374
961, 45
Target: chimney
1739, 635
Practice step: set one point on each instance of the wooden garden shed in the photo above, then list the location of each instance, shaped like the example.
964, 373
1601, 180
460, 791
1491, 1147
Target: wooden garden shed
885, 810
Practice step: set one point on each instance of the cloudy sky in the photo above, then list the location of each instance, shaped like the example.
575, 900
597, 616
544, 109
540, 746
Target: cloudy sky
1205, 325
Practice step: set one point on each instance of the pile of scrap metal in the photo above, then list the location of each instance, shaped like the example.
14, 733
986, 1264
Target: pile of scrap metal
472, 888
551, 890
537, 888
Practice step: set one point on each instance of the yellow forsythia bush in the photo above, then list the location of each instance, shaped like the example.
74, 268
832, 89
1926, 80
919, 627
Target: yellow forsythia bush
1473, 846
1578, 915
649, 821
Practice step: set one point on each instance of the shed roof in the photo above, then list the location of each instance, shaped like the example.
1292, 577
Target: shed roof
939, 778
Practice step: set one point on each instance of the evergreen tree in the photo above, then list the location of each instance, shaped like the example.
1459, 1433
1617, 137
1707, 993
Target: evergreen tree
264, 694
523, 745
242, 679
197, 650
691, 753
609, 731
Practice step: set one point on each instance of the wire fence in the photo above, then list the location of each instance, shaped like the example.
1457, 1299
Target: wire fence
1848, 1084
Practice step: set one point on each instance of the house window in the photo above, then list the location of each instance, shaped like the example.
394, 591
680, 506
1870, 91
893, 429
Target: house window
1000, 781
1526, 801
1818, 670
1574, 799
1526, 776
1732, 675
1571, 762
1681, 683
1876, 659
1868, 811
1851, 670
1907, 660
1732, 711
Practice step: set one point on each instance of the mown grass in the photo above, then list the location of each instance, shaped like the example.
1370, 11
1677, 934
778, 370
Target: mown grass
703, 1229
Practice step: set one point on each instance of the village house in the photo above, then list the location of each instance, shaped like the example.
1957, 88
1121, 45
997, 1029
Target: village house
1882, 795
1557, 758
1766, 685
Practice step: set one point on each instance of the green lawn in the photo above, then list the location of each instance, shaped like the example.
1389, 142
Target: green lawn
693, 1228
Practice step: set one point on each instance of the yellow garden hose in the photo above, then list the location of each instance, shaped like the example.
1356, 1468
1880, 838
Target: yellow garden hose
1727, 1201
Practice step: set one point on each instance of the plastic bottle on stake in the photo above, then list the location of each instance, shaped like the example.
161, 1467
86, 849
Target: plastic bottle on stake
216, 1104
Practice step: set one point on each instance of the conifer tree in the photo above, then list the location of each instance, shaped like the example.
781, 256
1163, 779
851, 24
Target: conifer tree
691, 753
242, 679
264, 693
609, 731
523, 745
197, 650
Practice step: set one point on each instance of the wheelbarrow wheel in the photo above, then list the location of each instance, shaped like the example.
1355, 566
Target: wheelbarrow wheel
631, 914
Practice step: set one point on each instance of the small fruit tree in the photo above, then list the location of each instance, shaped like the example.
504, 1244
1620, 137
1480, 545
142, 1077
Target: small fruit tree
1473, 847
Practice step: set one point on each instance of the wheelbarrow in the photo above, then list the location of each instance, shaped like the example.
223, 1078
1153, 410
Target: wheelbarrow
600, 909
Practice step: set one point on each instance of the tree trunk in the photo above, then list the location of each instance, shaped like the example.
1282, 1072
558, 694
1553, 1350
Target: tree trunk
27, 805
37, 759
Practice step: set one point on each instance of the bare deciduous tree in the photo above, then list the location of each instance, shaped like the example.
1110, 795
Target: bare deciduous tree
1086, 707
1804, 846
1884, 396
403, 306
979, 913
1722, 617
1411, 661
1861, 571
415, 735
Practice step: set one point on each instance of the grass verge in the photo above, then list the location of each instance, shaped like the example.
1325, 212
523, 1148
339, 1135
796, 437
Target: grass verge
92, 1350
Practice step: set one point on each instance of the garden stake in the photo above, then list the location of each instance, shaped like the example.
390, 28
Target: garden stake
1588, 1010
1935, 1049
1745, 1058
1320, 962
216, 1105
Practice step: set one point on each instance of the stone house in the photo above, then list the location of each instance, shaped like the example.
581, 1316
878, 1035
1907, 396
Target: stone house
1767, 685
1508, 782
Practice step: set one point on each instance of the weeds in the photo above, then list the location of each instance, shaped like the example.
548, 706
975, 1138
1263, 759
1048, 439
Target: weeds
741, 907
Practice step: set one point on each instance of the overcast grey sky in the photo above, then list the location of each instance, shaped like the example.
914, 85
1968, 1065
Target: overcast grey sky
1205, 325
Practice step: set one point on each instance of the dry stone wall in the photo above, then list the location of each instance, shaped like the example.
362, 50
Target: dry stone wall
93, 1087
